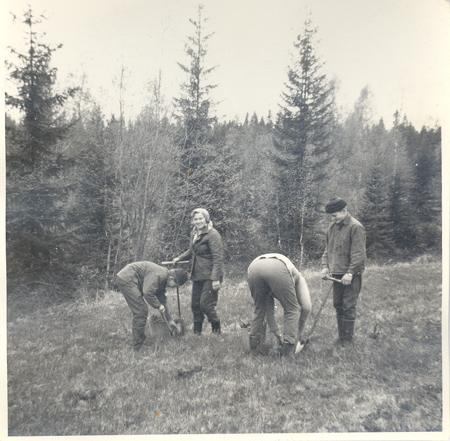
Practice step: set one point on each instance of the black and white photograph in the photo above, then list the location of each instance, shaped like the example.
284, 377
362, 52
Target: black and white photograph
225, 220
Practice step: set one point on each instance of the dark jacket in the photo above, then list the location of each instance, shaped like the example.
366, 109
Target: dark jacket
206, 254
150, 278
345, 250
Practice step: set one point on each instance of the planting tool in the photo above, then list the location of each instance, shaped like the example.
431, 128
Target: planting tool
301, 345
178, 288
163, 315
334, 280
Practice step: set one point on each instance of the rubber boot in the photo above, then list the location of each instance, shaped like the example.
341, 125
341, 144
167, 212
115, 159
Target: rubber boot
255, 345
138, 338
288, 351
339, 341
263, 334
198, 328
215, 326
347, 332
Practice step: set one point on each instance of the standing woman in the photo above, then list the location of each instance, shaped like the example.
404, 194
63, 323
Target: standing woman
207, 269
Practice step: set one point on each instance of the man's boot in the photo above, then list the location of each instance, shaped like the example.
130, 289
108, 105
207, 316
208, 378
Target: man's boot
339, 341
198, 328
255, 345
138, 338
347, 332
216, 327
288, 350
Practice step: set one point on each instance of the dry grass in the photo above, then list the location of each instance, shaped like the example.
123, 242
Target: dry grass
71, 370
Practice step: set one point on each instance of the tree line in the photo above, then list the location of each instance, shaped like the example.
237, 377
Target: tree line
87, 194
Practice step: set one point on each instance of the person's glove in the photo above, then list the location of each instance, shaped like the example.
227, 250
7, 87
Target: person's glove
174, 328
325, 273
215, 285
347, 279
162, 309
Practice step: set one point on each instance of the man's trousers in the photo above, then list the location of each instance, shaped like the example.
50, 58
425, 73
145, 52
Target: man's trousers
139, 309
266, 276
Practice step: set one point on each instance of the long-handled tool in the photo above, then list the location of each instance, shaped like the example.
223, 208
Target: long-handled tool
301, 345
163, 315
179, 324
178, 289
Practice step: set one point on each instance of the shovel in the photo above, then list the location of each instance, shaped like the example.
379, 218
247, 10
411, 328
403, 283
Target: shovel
166, 322
178, 288
178, 325
301, 345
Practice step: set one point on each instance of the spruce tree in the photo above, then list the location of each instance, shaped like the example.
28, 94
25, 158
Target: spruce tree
43, 122
38, 201
426, 193
423, 150
194, 105
399, 192
302, 137
199, 174
375, 215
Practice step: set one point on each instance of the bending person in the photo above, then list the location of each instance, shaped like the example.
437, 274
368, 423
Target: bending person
147, 280
275, 274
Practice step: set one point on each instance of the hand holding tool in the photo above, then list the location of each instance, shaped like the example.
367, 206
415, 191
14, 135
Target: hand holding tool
301, 344
178, 288
174, 330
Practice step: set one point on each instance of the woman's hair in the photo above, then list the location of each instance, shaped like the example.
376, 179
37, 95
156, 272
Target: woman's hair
203, 212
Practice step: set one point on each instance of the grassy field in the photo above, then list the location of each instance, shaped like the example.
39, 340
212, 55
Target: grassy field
72, 370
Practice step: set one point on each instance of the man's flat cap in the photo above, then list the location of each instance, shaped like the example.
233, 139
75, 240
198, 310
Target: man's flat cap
334, 205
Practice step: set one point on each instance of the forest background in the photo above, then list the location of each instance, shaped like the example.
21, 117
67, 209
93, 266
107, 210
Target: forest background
87, 193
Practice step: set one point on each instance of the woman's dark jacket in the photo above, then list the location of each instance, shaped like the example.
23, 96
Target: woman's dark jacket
206, 254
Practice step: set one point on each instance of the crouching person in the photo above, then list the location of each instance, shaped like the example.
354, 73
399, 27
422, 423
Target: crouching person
275, 275
147, 280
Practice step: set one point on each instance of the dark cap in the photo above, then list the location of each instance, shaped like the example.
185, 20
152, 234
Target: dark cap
335, 205
180, 276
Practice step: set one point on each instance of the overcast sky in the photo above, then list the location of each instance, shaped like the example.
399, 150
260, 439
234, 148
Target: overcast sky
399, 48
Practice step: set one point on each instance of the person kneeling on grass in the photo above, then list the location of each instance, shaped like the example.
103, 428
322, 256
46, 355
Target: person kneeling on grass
147, 280
275, 275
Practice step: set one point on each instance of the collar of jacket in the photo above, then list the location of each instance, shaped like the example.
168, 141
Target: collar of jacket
344, 221
196, 234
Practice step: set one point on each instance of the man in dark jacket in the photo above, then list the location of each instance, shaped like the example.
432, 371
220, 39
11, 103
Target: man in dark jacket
147, 280
344, 259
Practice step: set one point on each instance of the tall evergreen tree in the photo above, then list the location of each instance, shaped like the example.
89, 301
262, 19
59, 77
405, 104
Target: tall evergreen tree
194, 105
423, 150
427, 189
302, 138
43, 124
37, 186
375, 215
399, 191
198, 178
